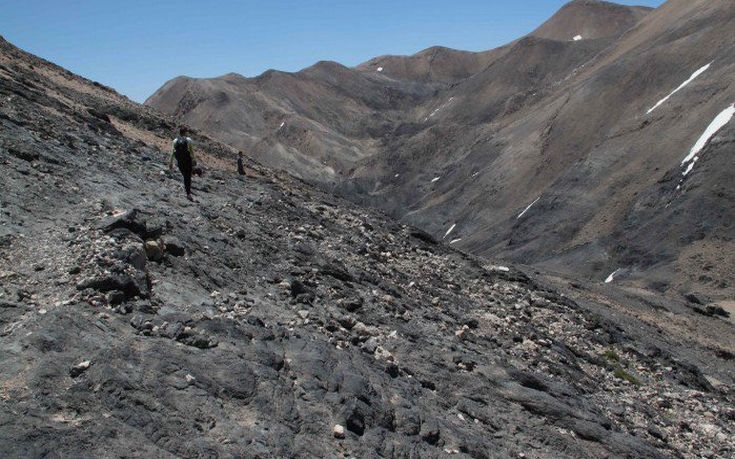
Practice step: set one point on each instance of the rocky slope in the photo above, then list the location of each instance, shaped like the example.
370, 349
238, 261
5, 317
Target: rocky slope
563, 149
270, 319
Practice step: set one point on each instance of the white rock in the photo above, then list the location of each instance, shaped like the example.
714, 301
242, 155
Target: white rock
338, 431
383, 354
462, 332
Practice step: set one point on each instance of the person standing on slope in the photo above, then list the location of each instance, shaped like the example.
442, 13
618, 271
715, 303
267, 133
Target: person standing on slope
183, 151
240, 165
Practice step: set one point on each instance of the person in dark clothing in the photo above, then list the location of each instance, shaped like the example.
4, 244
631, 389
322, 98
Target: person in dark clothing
240, 165
183, 151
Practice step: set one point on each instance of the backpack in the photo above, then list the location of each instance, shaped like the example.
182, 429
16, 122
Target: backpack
181, 150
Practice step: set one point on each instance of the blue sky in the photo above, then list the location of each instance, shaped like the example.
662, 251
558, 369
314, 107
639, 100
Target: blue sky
135, 46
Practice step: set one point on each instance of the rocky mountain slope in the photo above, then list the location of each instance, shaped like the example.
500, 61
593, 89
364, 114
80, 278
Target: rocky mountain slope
545, 151
271, 319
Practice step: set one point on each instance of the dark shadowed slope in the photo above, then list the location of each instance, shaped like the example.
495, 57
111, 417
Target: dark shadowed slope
273, 320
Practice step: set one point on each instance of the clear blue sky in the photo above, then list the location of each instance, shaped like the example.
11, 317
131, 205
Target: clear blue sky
135, 46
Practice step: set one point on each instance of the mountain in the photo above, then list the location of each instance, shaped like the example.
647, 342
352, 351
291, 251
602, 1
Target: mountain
273, 319
590, 20
544, 151
308, 122
437, 64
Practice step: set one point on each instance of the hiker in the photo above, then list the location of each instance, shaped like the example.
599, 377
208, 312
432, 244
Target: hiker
240, 166
183, 151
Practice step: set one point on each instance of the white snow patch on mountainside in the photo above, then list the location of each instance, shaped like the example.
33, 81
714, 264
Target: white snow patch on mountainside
435, 179
691, 78
718, 123
611, 277
527, 208
439, 108
577, 37
450, 230
454, 241
380, 69
690, 166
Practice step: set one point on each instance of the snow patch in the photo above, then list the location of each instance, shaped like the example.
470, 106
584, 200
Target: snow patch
380, 69
528, 208
397, 175
690, 166
718, 123
435, 179
577, 37
504, 269
282, 124
691, 78
439, 108
454, 241
476, 174
612, 275
449, 231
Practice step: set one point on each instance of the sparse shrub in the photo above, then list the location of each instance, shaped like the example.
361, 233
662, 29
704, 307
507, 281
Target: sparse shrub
620, 373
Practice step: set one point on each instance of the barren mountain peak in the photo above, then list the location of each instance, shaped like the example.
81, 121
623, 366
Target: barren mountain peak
590, 19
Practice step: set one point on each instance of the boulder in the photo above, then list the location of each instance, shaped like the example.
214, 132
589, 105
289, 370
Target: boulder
79, 368
352, 304
173, 246
131, 220
153, 251
696, 298
130, 285
429, 432
133, 254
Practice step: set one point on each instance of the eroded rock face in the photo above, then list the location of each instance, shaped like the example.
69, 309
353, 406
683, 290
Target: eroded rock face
277, 314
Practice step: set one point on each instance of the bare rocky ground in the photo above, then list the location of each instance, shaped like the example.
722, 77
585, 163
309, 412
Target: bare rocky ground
270, 319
